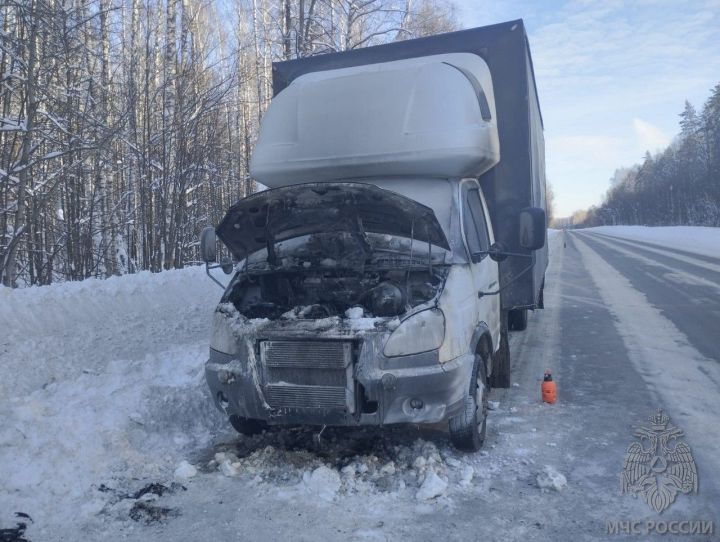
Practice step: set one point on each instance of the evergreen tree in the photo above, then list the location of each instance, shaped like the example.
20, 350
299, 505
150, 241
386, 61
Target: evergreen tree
678, 186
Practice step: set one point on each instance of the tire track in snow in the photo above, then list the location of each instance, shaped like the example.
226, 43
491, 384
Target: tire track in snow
671, 275
680, 377
699, 261
689, 301
696, 241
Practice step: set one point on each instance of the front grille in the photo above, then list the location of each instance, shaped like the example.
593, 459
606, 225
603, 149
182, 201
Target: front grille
322, 397
308, 374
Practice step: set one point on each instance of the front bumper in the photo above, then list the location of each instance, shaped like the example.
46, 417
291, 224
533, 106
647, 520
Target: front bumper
408, 389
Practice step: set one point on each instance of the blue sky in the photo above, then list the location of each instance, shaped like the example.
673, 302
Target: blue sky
612, 77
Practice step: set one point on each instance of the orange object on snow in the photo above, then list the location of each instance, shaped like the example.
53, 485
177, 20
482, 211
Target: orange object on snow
548, 388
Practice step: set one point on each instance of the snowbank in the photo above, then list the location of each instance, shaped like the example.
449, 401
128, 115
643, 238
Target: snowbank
101, 382
61, 331
696, 239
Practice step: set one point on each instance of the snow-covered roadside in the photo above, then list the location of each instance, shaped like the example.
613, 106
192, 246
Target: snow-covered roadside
102, 382
696, 239
134, 420
60, 331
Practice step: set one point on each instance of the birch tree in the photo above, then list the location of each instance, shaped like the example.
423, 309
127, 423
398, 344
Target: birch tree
127, 125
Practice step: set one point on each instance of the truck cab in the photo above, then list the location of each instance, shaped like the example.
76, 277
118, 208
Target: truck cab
368, 278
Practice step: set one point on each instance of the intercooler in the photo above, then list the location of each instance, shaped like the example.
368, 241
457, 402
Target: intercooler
308, 374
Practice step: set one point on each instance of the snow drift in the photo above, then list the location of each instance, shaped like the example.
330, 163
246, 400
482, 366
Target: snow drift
696, 239
100, 379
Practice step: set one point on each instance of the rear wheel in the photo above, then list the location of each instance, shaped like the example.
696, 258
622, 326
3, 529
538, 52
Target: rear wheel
468, 428
500, 377
247, 426
517, 319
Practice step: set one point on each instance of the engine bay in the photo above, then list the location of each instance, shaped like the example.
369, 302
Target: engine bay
318, 293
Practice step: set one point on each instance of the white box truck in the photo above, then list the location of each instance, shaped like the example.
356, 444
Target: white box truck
403, 231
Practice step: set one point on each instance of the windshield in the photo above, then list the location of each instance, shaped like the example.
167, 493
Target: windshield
347, 250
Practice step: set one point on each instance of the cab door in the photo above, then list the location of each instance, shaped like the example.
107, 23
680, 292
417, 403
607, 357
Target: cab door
478, 237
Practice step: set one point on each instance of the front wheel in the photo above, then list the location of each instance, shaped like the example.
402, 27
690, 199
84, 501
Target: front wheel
468, 428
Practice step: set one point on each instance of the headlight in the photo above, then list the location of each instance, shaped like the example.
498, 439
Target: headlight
421, 332
222, 338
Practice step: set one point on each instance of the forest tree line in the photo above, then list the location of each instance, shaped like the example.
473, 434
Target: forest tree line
679, 186
127, 125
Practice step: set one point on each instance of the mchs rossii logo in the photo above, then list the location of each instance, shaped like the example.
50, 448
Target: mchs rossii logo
659, 465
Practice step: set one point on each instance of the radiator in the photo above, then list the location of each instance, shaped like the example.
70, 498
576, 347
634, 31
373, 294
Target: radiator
308, 374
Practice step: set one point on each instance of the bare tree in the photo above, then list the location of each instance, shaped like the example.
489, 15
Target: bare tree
128, 125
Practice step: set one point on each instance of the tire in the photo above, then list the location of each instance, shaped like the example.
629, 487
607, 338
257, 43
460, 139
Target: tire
468, 428
247, 426
500, 377
517, 319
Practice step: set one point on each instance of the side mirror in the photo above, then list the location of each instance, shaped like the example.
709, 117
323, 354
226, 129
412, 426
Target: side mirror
208, 241
532, 228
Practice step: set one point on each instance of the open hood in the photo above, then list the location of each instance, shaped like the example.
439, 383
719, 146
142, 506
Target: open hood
293, 211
